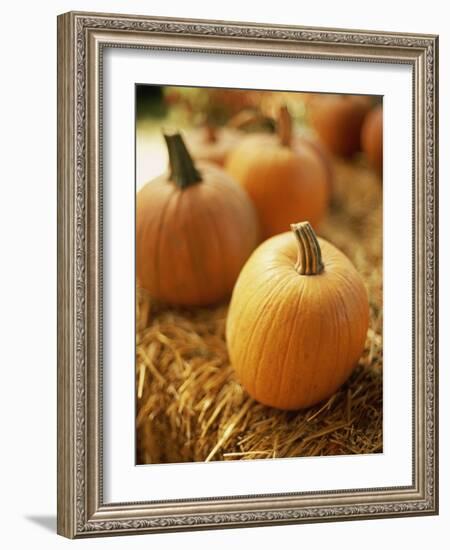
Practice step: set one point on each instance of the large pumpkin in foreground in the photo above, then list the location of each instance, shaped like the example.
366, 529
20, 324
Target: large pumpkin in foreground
297, 321
285, 177
195, 228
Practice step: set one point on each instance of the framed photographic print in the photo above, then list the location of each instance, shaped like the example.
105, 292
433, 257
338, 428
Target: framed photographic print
247, 274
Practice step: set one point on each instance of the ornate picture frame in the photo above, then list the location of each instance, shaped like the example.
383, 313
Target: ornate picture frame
82, 38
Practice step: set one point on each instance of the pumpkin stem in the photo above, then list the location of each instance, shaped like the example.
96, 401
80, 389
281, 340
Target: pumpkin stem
284, 126
182, 168
309, 260
211, 133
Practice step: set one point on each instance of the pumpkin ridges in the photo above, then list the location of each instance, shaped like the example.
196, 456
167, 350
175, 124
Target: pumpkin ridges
212, 199
240, 313
261, 313
235, 190
240, 309
148, 236
163, 258
225, 226
353, 346
195, 234
239, 196
248, 348
267, 339
343, 307
218, 268
341, 345
317, 369
172, 266
303, 376
282, 378
216, 231
260, 307
200, 277
250, 232
316, 379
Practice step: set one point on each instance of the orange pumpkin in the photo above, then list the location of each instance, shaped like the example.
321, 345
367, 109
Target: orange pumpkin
212, 144
285, 177
372, 138
338, 119
195, 228
322, 153
297, 321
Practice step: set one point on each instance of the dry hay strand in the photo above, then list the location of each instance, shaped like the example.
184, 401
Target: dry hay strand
190, 407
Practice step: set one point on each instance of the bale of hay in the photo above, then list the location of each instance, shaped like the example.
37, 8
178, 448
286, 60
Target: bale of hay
190, 407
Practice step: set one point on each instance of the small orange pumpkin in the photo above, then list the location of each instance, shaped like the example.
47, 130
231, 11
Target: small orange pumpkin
338, 119
297, 321
212, 144
285, 177
372, 138
195, 228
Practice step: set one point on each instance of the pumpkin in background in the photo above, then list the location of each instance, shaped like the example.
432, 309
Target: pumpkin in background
338, 119
297, 321
212, 144
323, 154
284, 176
195, 228
232, 101
372, 138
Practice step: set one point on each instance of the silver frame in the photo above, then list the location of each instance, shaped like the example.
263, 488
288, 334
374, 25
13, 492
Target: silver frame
81, 40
